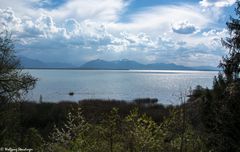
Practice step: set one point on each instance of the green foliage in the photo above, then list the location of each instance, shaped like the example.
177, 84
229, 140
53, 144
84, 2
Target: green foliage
141, 133
135, 133
114, 132
111, 129
72, 137
179, 135
33, 140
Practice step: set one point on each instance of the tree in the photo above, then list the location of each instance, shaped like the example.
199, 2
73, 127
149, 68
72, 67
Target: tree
73, 136
179, 135
220, 106
13, 84
13, 81
142, 133
230, 63
230, 116
111, 131
33, 140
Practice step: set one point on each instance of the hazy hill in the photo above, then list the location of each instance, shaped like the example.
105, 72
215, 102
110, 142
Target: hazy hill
119, 64
128, 64
123, 64
32, 63
163, 66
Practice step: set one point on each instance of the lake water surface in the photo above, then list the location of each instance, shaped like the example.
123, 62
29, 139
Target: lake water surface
55, 85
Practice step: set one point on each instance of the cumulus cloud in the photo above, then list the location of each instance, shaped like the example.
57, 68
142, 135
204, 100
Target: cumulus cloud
217, 3
129, 42
72, 26
46, 25
216, 33
9, 21
184, 28
78, 31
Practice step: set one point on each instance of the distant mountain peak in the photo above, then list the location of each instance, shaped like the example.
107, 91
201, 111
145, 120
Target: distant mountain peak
125, 60
98, 60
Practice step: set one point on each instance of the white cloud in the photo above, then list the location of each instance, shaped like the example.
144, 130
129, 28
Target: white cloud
72, 26
196, 59
129, 42
9, 21
46, 25
160, 18
216, 33
165, 43
213, 38
78, 31
97, 10
217, 3
21, 7
184, 28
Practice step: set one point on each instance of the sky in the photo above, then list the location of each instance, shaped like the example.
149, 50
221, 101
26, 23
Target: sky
184, 32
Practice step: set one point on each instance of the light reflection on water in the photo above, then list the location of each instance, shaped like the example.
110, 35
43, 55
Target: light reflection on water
166, 85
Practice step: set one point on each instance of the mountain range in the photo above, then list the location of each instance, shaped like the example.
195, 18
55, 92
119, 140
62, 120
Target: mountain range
133, 65
98, 64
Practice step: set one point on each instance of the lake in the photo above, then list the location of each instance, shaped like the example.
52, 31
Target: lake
165, 85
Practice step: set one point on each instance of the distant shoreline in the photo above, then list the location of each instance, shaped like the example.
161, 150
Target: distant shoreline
115, 69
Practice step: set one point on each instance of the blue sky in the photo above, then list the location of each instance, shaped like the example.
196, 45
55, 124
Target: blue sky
186, 32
